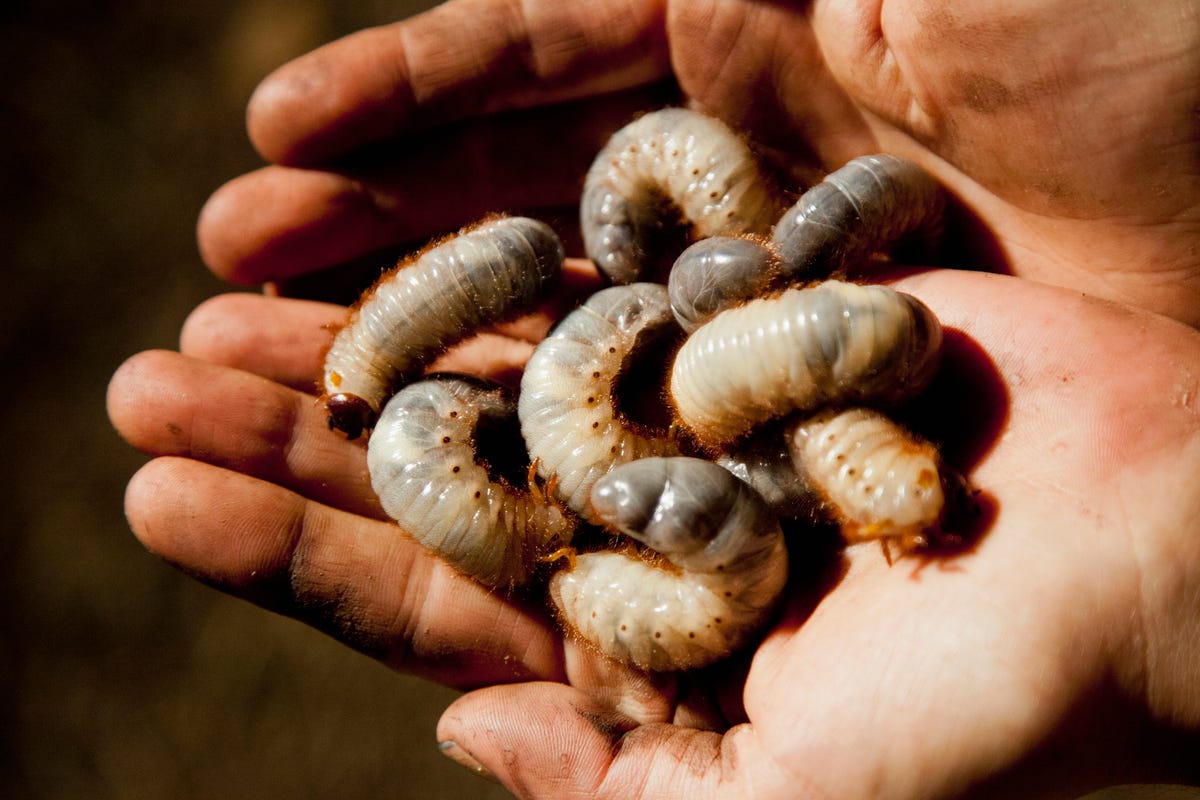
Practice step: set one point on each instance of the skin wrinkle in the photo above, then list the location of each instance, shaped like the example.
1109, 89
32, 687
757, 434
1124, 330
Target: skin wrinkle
881, 58
315, 598
432, 86
536, 53
527, 60
633, 747
1154, 673
878, 73
630, 61
382, 205
288, 446
428, 598
404, 88
887, 64
778, 112
735, 773
799, 777
532, 651
701, 755
1135, 650
734, 66
730, 774
689, 30
326, 602
781, 81
421, 86
418, 595
519, 32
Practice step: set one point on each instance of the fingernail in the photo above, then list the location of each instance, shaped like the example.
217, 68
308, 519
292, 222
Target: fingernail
452, 751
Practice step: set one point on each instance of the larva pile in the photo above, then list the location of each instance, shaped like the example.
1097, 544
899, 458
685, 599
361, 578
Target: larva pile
771, 393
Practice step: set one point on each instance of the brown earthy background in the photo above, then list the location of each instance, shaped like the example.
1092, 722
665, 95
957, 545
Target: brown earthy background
121, 678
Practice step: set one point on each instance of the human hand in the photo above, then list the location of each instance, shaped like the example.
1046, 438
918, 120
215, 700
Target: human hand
1115, 216
1057, 654
1068, 133
1059, 649
250, 492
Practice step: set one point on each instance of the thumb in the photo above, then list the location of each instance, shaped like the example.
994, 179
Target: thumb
549, 740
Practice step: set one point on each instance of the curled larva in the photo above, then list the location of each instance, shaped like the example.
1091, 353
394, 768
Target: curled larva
879, 480
765, 463
727, 566
834, 343
863, 208
717, 273
483, 275
669, 169
575, 395
447, 463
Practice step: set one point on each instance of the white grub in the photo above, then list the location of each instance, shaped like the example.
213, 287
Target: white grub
486, 274
722, 569
664, 168
432, 476
864, 208
570, 416
836, 343
880, 481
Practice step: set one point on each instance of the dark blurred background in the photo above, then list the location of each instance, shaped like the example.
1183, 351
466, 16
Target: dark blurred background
120, 677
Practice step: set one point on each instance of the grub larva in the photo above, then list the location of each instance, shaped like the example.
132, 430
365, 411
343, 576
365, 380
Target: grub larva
716, 273
447, 463
765, 462
668, 169
488, 273
570, 403
727, 566
863, 208
834, 343
879, 481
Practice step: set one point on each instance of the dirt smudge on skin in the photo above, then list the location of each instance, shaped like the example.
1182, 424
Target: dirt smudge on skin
985, 94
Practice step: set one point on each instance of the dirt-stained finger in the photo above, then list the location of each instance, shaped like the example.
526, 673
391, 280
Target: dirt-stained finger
462, 59
164, 403
281, 221
363, 581
281, 339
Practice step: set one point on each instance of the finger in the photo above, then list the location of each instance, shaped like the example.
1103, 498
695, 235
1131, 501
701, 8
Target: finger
463, 59
343, 283
283, 340
636, 695
489, 355
760, 67
279, 222
550, 741
362, 581
165, 403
